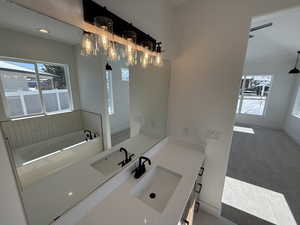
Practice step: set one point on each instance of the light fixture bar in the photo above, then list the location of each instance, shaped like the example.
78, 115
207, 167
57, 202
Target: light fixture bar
115, 38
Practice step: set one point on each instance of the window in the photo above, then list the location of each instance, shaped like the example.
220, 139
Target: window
296, 108
254, 92
31, 88
110, 97
125, 74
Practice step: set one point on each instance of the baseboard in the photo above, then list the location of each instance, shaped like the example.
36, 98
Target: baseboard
210, 209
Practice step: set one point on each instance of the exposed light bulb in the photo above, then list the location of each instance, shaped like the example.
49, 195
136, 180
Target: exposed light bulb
112, 53
145, 60
104, 42
131, 54
87, 44
158, 60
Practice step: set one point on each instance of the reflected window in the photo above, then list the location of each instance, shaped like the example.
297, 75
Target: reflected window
54, 87
253, 95
110, 97
125, 74
296, 108
247, 130
30, 88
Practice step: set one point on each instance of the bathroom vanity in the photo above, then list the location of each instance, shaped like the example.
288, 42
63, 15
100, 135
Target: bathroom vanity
166, 194
74, 122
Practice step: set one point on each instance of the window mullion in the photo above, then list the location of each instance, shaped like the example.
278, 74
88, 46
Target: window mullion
242, 94
39, 87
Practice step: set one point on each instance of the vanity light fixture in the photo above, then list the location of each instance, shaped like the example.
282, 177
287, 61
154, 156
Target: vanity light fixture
114, 35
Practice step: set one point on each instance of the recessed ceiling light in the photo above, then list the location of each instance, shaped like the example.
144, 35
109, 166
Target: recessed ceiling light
42, 30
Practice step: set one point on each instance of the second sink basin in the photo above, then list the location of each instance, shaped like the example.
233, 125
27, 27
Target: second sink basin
156, 187
109, 164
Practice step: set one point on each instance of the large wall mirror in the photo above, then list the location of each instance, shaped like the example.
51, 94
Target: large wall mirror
67, 118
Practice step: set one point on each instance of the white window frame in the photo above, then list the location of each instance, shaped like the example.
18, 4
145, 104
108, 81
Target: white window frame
297, 99
124, 68
239, 110
43, 113
110, 92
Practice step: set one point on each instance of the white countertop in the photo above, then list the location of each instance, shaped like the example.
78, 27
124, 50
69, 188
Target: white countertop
52, 195
122, 208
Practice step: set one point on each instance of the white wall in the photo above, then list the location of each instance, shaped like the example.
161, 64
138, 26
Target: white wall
149, 93
11, 211
205, 79
204, 83
279, 98
266, 56
119, 121
292, 123
24, 46
91, 83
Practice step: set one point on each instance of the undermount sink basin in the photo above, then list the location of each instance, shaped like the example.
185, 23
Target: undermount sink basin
156, 188
109, 164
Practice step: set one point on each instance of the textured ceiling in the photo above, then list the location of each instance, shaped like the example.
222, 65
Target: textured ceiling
20, 19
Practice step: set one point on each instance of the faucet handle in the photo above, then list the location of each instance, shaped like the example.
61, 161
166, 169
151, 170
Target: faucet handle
130, 156
122, 163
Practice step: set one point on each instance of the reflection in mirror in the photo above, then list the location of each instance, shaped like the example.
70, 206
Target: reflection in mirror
117, 83
69, 122
137, 104
50, 133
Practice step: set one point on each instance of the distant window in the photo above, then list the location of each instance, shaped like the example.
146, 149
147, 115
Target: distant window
125, 74
31, 88
110, 97
254, 93
296, 108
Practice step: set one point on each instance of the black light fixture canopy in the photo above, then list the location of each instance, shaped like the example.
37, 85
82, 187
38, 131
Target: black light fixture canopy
295, 70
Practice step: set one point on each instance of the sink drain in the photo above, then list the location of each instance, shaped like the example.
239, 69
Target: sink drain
152, 195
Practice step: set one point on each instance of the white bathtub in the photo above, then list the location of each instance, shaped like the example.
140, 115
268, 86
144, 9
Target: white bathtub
40, 149
61, 155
